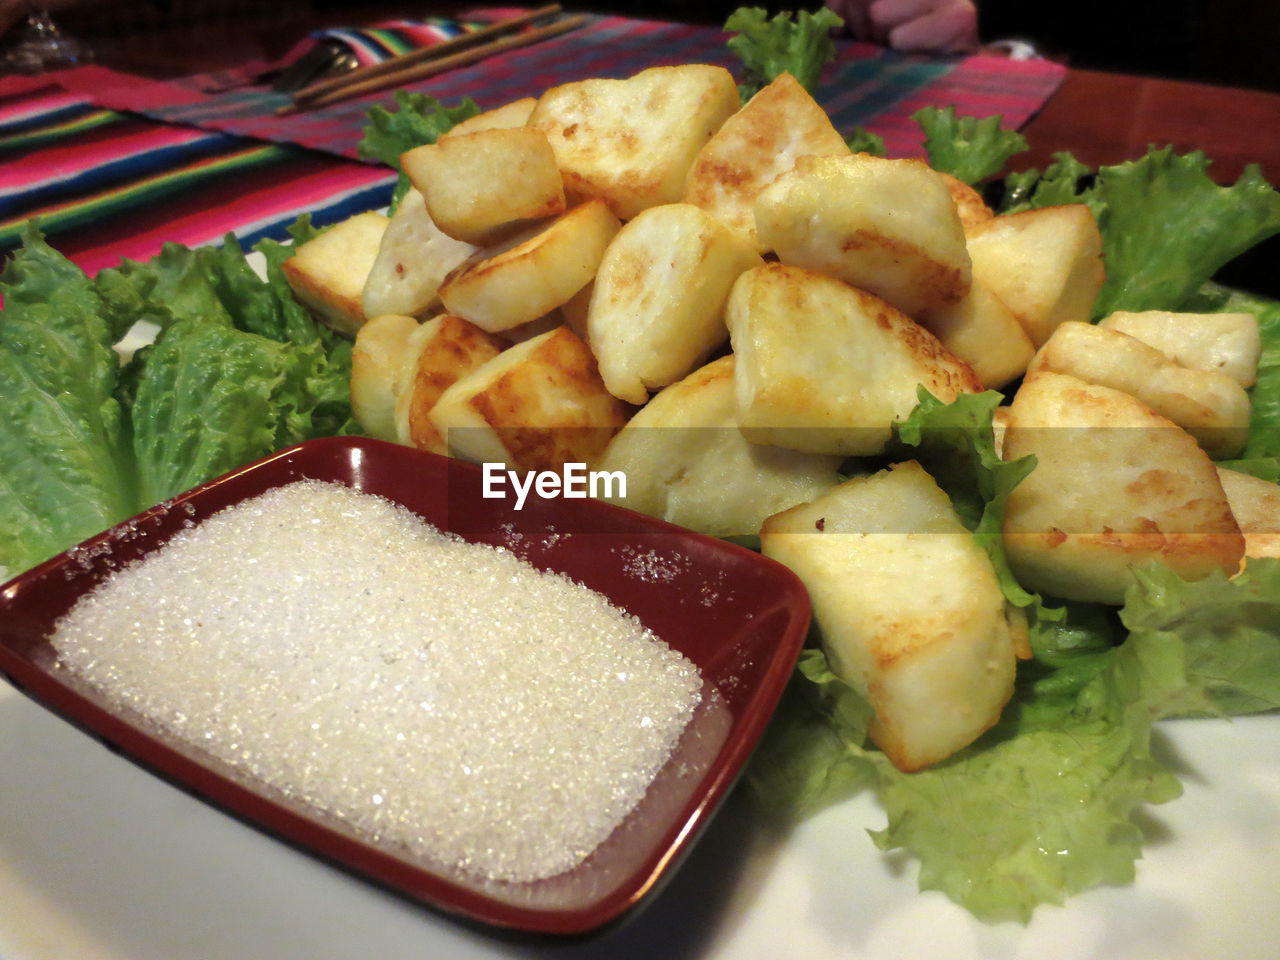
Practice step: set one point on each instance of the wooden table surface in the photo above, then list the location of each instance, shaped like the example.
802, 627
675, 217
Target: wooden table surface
1106, 118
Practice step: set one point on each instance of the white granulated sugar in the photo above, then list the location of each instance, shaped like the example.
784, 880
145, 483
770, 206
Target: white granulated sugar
436, 695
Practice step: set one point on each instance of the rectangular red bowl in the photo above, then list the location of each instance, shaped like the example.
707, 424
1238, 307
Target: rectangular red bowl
739, 617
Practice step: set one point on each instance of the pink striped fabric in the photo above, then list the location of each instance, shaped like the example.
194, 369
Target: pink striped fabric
105, 185
187, 165
980, 86
866, 86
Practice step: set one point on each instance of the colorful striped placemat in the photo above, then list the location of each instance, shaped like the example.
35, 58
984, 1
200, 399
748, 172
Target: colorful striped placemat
106, 184
370, 45
865, 86
115, 165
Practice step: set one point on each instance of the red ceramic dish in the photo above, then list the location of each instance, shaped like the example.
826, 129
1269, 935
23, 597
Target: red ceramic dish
740, 617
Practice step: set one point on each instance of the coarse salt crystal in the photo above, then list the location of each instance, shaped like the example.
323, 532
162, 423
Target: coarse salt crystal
444, 698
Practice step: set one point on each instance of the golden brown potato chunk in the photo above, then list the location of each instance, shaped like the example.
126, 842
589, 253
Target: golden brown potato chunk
478, 186
513, 114
970, 206
536, 406
631, 142
379, 354
885, 226
413, 258
908, 609
760, 141
827, 368
1255, 503
687, 462
575, 310
983, 332
328, 272
439, 354
532, 273
1115, 486
1045, 264
1218, 342
657, 308
1211, 406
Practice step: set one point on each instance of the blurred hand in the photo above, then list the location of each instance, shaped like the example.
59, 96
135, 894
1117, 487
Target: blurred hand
935, 26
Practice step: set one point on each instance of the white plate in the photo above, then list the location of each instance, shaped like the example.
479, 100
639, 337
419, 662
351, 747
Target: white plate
101, 861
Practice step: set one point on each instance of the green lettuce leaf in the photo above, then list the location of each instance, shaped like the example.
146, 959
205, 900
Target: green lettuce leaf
204, 405
1030, 816
955, 444
813, 751
968, 148
322, 380
1063, 181
170, 286
238, 369
863, 140
283, 317
1070, 761
1167, 228
228, 382
419, 120
799, 44
1225, 633
1039, 808
251, 304
1063, 772
66, 474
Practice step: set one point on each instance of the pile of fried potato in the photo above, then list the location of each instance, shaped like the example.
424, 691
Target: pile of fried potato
724, 303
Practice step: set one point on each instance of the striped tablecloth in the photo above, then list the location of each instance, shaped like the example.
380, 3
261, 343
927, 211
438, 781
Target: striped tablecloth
107, 184
114, 165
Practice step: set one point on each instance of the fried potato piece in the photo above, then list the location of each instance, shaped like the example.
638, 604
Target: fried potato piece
575, 309
1255, 503
1115, 486
982, 331
1219, 342
631, 142
379, 354
908, 608
657, 308
439, 353
532, 273
686, 461
328, 272
480, 186
1210, 406
999, 420
527, 331
756, 144
970, 206
536, 406
888, 227
827, 368
513, 114
413, 258
1045, 264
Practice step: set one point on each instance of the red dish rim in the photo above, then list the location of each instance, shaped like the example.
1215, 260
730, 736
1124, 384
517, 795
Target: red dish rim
759, 622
